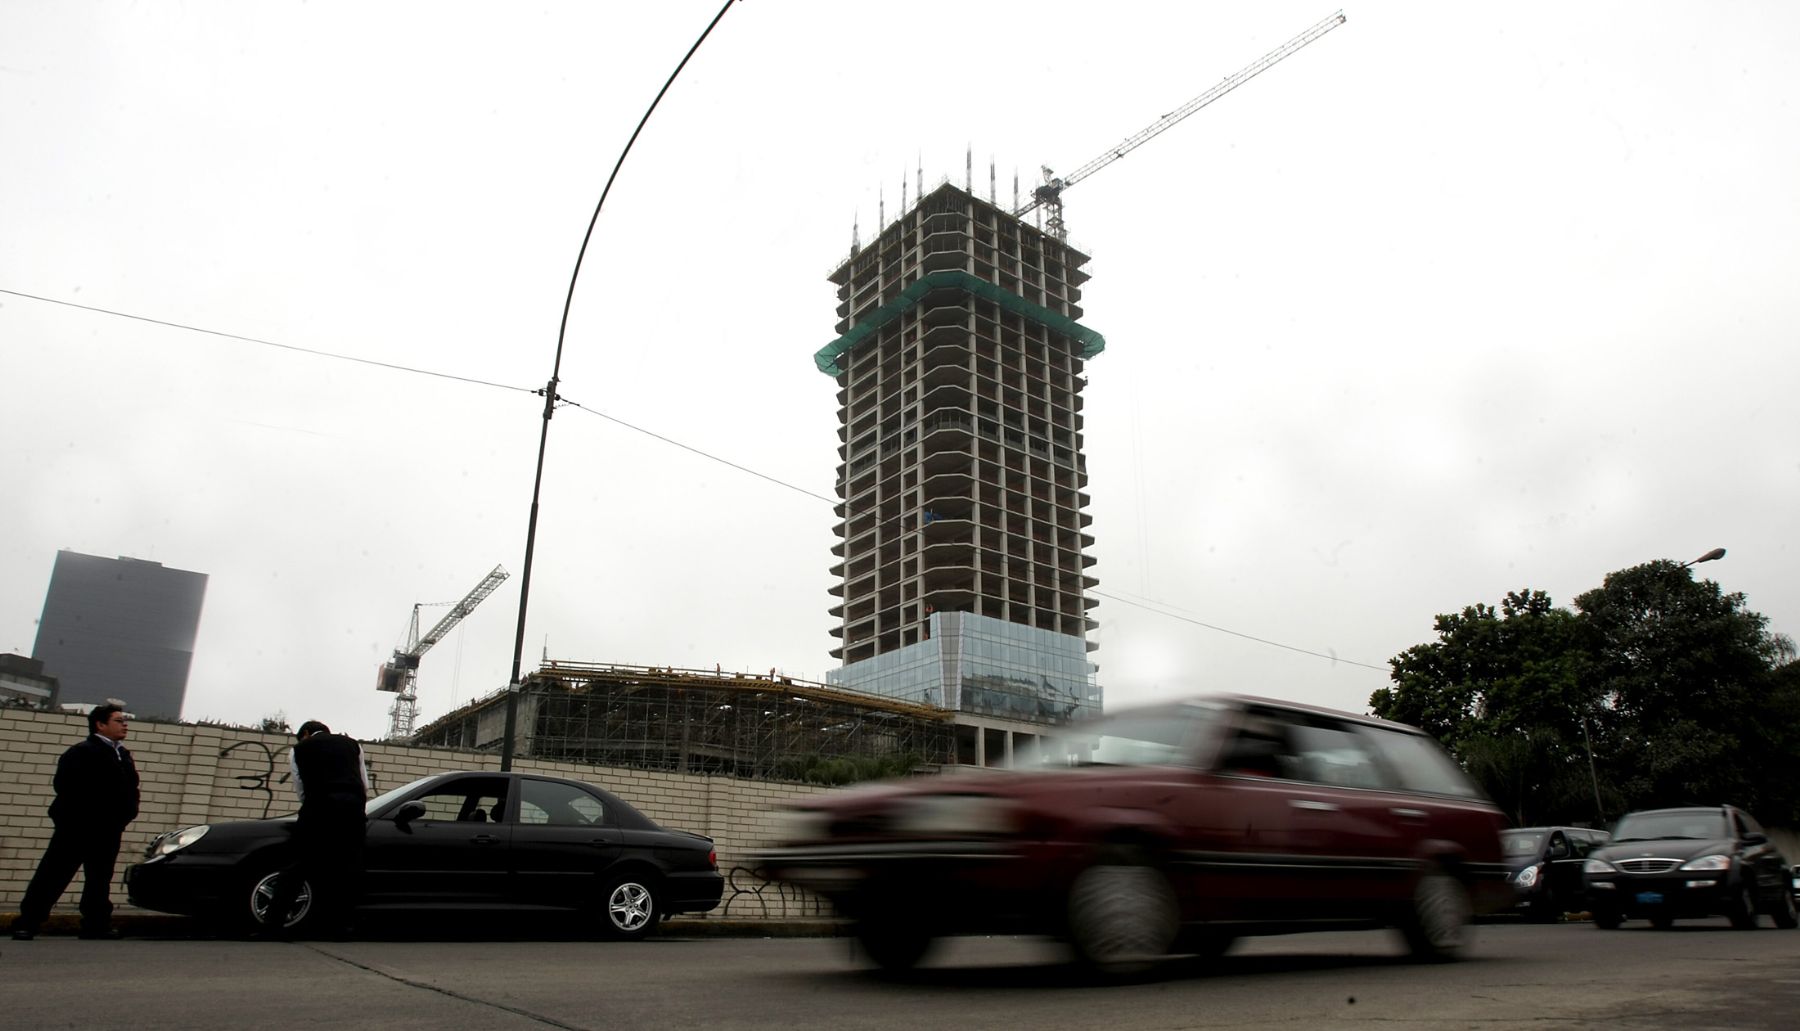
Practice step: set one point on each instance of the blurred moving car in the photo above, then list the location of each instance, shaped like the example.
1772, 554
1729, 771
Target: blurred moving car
455, 841
1546, 868
1669, 864
1167, 829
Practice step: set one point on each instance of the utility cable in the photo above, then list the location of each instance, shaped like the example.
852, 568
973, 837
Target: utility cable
267, 343
1161, 608
697, 451
1150, 605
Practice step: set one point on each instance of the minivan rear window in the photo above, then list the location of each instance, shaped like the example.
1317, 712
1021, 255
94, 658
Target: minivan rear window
1421, 765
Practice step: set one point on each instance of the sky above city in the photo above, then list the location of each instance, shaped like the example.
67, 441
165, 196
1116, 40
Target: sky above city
1459, 300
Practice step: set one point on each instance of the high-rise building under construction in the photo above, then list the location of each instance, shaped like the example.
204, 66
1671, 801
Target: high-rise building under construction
963, 529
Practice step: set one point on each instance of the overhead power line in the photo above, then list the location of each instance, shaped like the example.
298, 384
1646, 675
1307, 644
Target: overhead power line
1162, 608
1149, 605
267, 343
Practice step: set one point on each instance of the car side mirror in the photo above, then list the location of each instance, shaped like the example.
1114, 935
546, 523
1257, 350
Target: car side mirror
1755, 837
409, 812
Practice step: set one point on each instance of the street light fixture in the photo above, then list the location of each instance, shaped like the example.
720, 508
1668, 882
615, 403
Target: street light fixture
1716, 553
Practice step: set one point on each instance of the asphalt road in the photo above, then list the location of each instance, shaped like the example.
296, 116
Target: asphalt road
1697, 976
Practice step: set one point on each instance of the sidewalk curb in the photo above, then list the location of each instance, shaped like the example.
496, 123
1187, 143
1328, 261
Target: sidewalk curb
144, 924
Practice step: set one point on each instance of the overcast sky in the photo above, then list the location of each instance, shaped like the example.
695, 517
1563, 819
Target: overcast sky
1460, 299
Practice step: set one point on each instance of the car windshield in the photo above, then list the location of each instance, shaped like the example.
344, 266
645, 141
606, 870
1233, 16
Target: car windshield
374, 804
1696, 824
1522, 843
1152, 736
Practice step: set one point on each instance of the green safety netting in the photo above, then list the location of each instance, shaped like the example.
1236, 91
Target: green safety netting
1091, 342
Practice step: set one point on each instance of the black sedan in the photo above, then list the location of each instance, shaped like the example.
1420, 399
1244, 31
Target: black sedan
455, 841
1669, 864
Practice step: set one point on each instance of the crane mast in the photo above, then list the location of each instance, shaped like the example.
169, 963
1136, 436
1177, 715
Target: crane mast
1049, 194
400, 675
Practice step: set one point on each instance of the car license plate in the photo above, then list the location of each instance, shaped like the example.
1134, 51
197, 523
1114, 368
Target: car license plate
1649, 898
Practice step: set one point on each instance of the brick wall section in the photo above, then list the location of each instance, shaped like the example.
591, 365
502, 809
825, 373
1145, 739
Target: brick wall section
202, 774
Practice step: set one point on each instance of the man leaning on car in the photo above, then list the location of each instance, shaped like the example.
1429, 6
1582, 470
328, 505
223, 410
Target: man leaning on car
332, 780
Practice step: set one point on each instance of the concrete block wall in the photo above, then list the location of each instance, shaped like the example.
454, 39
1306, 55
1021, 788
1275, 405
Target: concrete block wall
202, 774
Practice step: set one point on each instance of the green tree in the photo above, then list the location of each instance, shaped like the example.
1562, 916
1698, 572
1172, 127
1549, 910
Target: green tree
1684, 690
1502, 689
1658, 690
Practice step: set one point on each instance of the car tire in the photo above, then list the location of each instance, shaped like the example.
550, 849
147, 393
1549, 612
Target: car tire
254, 899
1787, 916
1123, 917
629, 908
1742, 910
1662, 921
1437, 927
1607, 920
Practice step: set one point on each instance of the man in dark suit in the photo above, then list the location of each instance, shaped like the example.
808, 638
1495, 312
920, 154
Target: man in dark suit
96, 796
332, 780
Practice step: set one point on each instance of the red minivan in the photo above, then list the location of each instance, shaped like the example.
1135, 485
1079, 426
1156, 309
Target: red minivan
1161, 831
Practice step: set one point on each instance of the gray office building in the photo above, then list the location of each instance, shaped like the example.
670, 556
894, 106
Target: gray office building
120, 628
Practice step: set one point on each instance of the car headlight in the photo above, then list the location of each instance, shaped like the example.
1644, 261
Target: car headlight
1708, 863
797, 825
175, 841
1597, 866
1528, 877
953, 816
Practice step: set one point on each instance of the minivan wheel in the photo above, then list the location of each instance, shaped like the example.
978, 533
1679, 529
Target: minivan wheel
888, 921
1743, 909
1438, 926
1123, 915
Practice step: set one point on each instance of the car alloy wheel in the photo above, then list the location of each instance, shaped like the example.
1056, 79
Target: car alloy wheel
262, 892
631, 909
1123, 915
1441, 915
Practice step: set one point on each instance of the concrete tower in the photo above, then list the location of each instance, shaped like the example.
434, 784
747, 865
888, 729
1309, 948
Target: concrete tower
963, 484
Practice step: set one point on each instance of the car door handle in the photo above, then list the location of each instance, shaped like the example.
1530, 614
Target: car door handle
1313, 807
1409, 814
484, 839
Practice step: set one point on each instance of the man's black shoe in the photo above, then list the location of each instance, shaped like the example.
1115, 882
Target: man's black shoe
105, 934
23, 934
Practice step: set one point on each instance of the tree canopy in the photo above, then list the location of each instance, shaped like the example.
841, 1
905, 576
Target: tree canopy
1658, 689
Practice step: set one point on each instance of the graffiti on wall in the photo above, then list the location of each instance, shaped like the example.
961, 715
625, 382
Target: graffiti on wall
755, 897
264, 783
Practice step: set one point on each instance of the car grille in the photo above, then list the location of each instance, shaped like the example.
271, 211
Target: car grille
1647, 865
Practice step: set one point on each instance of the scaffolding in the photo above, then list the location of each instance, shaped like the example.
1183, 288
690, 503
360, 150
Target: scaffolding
771, 727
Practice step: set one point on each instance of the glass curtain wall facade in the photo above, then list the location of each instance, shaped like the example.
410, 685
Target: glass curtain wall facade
963, 524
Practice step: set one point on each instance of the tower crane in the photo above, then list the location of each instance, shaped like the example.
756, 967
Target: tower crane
1049, 195
401, 674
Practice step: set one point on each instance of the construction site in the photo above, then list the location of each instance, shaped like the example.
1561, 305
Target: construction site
769, 727
963, 586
